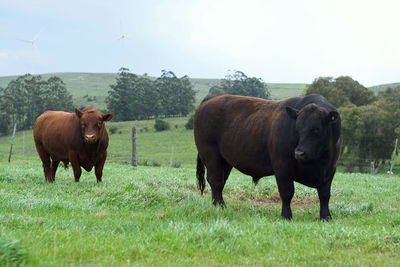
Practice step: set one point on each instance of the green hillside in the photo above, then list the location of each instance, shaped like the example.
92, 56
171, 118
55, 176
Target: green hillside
90, 89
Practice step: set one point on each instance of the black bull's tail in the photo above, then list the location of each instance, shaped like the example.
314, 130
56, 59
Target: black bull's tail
201, 182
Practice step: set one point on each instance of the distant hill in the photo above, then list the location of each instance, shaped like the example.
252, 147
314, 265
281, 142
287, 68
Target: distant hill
384, 86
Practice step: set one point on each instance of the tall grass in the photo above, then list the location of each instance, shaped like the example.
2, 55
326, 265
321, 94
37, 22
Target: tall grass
156, 216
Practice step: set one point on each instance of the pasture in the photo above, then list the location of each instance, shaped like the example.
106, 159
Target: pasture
156, 216
153, 148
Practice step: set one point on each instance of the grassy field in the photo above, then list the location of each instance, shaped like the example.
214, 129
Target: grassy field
153, 147
155, 216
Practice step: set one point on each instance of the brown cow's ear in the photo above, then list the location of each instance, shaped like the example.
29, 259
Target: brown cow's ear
78, 113
333, 116
107, 117
292, 112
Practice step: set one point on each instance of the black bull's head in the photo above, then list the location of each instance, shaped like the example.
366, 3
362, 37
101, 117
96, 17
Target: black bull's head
314, 130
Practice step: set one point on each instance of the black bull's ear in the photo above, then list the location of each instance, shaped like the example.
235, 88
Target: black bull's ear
333, 116
292, 112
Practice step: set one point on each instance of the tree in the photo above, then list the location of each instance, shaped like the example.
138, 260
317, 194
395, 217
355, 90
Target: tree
341, 91
56, 95
389, 100
325, 86
4, 114
355, 92
119, 99
177, 96
368, 135
25, 98
239, 84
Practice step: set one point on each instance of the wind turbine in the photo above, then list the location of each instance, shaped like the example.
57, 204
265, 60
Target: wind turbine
34, 47
122, 39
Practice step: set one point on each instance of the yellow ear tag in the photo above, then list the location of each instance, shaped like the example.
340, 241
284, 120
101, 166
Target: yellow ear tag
333, 117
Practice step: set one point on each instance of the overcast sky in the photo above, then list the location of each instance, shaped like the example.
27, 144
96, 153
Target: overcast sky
278, 41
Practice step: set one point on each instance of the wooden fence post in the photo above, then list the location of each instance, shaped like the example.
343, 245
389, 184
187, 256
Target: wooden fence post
12, 142
390, 172
23, 143
373, 167
172, 155
134, 156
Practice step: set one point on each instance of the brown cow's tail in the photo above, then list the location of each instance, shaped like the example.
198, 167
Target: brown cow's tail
201, 182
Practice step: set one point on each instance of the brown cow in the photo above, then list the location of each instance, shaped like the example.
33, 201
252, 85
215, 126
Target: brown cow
80, 138
297, 139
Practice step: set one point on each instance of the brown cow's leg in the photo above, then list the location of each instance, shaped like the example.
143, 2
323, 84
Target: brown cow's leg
324, 194
286, 192
99, 168
46, 164
216, 173
54, 166
76, 167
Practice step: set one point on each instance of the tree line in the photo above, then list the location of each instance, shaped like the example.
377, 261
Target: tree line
370, 121
134, 97
25, 98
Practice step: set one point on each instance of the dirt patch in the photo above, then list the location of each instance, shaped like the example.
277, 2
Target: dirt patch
161, 216
101, 214
274, 199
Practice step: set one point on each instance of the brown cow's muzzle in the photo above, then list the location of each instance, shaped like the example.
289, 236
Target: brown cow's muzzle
90, 138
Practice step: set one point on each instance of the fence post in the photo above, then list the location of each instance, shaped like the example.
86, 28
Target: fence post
390, 172
373, 167
172, 155
23, 143
134, 156
12, 142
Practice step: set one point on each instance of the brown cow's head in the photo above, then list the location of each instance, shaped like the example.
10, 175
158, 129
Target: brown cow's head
92, 124
313, 126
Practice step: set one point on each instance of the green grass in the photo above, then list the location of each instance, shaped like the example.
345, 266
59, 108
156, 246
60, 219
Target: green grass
156, 216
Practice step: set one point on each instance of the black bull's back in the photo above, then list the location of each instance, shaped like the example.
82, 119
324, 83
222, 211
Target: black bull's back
259, 138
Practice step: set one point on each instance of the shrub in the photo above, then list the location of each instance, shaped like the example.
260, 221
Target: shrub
189, 123
113, 129
161, 125
176, 165
155, 163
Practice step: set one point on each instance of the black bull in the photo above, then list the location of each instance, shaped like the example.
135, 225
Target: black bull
297, 139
